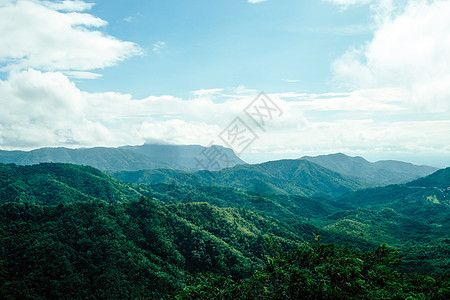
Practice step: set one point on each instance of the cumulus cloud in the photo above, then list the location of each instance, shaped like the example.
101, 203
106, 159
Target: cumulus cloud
409, 51
44, 109
56, 36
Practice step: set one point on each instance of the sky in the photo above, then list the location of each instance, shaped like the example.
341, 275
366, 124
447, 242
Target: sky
367, 78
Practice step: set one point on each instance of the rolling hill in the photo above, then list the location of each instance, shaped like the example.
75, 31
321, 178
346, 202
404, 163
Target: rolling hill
427, 199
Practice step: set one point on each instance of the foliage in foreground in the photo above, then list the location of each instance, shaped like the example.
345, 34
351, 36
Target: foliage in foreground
136, 250
323, 271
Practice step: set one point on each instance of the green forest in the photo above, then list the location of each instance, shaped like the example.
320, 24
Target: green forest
73, 232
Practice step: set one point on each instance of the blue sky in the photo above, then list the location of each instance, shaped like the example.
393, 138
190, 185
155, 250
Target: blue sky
190, 45
367, 77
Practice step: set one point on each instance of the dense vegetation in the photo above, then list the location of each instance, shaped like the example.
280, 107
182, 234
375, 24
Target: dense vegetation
139, 249
318, 271
73, 232
59, 183
290, 177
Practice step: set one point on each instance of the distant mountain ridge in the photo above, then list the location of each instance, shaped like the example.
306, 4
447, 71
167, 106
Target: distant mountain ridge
377, 173
288, 176
130, 158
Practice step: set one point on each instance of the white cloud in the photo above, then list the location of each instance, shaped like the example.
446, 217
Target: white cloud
255, 1
44, 109
206, 92
47, 109
159, 46
66, 5
129, 19
409, 52
415, 140
40, 35
82, 75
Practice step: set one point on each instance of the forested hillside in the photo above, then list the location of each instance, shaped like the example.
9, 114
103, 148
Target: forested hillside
73, 232
290, 177
138, 249
59, 183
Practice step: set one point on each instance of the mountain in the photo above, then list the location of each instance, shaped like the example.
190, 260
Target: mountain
188, 157
141, 249
426, 199
75, 232
415, 217
55, 183
131, 158
71, 232
438, 180
299, 177
146, 250
376, 174
52, 183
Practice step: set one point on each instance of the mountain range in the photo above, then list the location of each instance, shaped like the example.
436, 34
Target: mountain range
327, 176
74, 228
299, 177
190, 158
74, 231
131, 158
